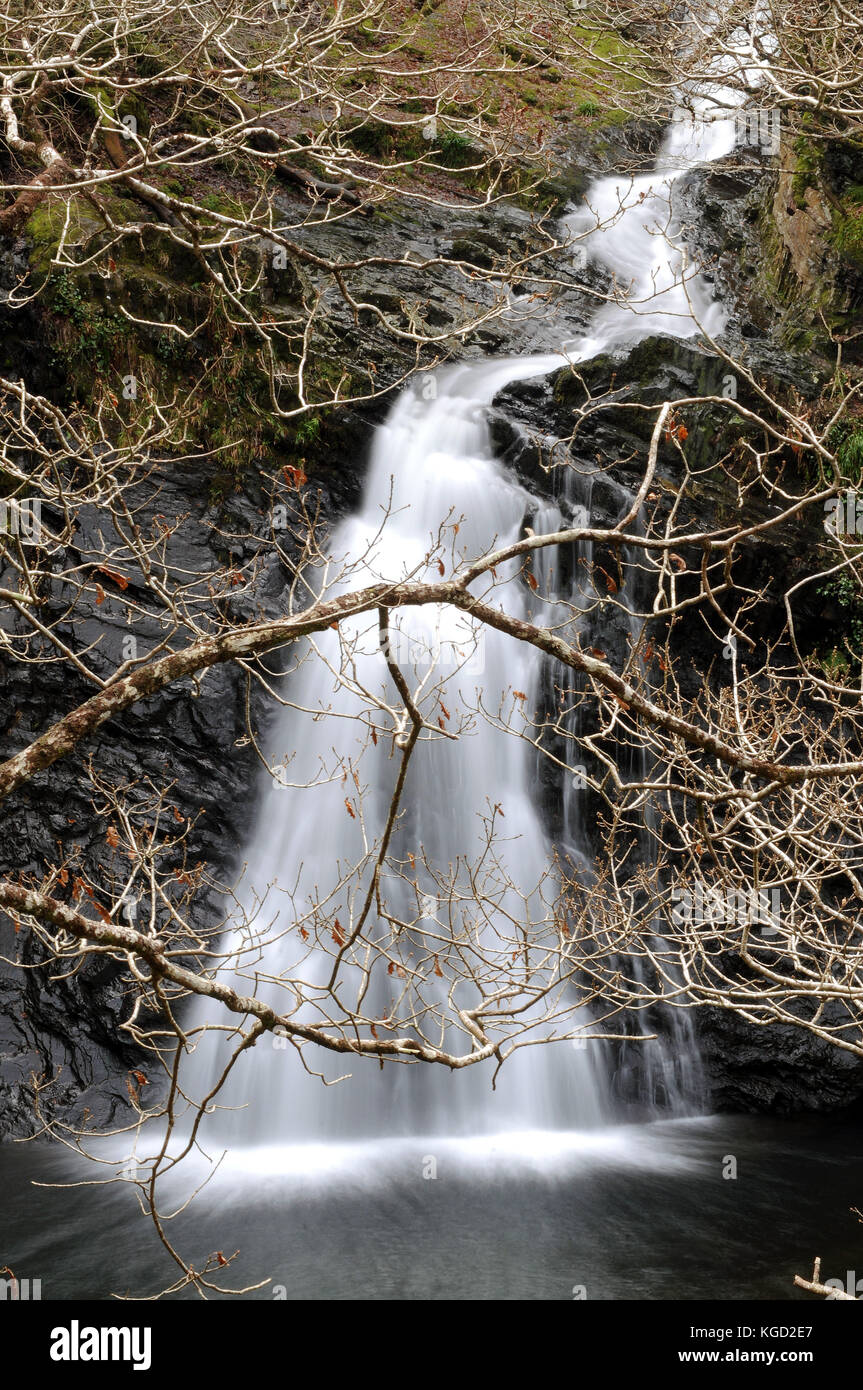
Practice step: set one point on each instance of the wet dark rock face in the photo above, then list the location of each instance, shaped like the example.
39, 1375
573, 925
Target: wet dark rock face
72, 1028
749, 1068
192, 736
778, 1070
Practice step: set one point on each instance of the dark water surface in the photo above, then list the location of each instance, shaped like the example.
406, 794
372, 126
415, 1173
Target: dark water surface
640, 1212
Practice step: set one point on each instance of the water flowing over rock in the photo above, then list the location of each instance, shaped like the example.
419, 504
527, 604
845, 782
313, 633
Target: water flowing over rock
433, 463
473, 444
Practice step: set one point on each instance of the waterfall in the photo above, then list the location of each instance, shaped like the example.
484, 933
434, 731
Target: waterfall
433, 467
431, 460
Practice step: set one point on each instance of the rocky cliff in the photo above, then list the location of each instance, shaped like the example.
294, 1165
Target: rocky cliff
769, 250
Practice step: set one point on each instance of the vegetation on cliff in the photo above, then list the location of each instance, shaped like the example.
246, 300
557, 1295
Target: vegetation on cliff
228, 228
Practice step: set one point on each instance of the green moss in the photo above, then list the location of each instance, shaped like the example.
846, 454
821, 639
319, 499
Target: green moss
44, 228
308, 430
401, 143
614, 117
97, 332
46, 224
455, 151
149, 57
846, 441
807, 163
220, 202
847, 231
92, 346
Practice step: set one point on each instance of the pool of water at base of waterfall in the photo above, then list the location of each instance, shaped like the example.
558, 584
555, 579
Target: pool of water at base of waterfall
648, 1212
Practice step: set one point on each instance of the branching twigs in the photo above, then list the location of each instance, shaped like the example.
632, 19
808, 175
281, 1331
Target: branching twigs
814, 1285
721, 865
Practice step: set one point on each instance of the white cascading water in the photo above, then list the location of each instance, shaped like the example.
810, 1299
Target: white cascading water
432, 464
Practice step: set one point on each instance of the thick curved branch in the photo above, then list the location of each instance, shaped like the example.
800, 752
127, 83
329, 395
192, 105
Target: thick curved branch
113, 935
255, 640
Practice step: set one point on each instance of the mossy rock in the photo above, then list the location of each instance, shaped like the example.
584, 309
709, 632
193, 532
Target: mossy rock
45, 226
